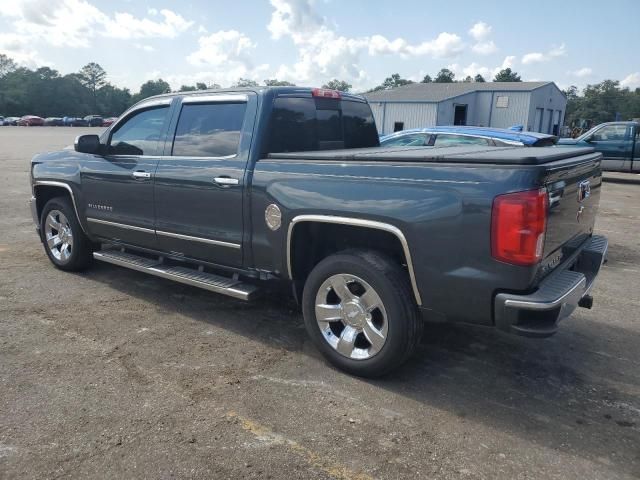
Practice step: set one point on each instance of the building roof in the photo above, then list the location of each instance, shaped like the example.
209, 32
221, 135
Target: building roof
436, 92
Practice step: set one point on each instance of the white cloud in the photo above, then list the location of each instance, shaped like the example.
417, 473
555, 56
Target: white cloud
480, 31
126, 26
485, 48
74, 23
582, 72
146, 48
19, 48
631, 81
222, 47
474, 69
324, 54
538, 57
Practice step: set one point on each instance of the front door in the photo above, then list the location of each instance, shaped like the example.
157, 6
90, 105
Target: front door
616, 144
200, 180
118, 186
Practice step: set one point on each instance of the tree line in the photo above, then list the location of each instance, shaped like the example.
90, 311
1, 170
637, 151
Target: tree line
45, 92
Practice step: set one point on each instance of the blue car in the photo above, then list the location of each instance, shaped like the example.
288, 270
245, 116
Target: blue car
462, 135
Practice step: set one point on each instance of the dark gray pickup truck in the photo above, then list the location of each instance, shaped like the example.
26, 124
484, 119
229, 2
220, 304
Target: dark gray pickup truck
226, 190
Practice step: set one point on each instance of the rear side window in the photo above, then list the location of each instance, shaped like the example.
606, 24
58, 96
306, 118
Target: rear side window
409, 140
209, 130
306, 124
452, 140
139, 134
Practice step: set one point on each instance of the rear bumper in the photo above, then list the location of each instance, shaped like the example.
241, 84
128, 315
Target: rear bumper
537, 314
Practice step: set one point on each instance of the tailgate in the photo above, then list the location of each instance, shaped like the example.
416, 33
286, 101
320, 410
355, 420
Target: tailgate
574, 194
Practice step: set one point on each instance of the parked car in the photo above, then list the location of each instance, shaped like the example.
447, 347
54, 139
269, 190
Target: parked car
368, 249
94, 120
464, 135
619, 143
109, 121
76, 122
1, 120
53, 122
31, 121
11, 121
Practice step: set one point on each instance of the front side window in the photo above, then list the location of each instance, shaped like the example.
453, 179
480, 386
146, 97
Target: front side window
610, 132
452, 140
139, 134
411, 140
209, 130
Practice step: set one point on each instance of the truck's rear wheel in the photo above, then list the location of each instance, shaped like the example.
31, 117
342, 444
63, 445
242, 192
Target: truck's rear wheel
360, 312
66, 245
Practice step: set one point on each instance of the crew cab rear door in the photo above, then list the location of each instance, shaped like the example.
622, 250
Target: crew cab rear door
200, 180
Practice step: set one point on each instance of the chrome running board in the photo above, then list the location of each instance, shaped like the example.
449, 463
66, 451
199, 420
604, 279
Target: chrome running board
189, 276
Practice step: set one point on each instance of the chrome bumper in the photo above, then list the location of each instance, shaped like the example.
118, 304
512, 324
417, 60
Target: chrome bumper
34, 212
537, 314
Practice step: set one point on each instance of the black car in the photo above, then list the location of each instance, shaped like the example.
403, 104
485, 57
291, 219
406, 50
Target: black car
78, 122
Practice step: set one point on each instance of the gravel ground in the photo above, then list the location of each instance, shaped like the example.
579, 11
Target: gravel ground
114, 374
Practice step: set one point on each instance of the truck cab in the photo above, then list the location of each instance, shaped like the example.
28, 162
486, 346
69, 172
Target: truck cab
619, 143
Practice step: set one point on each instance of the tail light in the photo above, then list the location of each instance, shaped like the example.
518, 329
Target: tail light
326, 93
518, 225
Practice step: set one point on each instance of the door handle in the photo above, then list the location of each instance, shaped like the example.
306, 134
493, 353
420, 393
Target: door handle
226, 181
139, 174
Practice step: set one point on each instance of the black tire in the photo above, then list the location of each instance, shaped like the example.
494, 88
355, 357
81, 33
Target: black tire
391, 283
81, 251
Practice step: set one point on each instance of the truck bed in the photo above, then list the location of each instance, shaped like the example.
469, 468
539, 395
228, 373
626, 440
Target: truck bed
462, 154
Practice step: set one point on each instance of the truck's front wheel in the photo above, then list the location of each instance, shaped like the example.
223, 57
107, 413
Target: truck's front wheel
66, 245
359, 310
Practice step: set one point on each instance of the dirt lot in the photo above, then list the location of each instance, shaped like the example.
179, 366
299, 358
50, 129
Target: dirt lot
113, 374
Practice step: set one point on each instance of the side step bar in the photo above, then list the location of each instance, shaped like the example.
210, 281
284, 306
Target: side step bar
189, 276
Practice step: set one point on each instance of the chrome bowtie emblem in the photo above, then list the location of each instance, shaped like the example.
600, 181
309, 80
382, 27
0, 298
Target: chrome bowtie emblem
584, 190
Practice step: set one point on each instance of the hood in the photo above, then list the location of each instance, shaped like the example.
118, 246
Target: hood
567, 141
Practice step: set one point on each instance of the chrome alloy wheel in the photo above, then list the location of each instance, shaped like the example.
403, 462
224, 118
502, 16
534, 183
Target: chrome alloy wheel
58, 235
351, 316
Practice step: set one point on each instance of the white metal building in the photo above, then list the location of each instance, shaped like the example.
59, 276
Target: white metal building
537, 106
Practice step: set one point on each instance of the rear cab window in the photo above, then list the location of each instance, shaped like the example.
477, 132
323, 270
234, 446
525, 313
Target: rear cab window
209, 129
300, 124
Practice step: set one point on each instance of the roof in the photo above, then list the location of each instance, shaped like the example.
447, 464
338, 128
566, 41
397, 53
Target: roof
436, 92
527, 138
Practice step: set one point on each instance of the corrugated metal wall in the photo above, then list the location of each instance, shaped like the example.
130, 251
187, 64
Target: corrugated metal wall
554, 106
482, 110
516, 112
413, 115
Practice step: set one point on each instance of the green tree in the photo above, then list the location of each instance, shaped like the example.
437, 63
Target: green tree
427, 79
468, 79
202, 86
445, 76
339, 85
151, 88
93, 77
507, 75
393, 81
246, 82
187, 88
479, 78
7, 65
278, 83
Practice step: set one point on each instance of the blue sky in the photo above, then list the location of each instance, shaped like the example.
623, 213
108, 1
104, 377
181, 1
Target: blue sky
311, 41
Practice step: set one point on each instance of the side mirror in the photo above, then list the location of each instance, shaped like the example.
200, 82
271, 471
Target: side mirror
87, 144
588, 140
